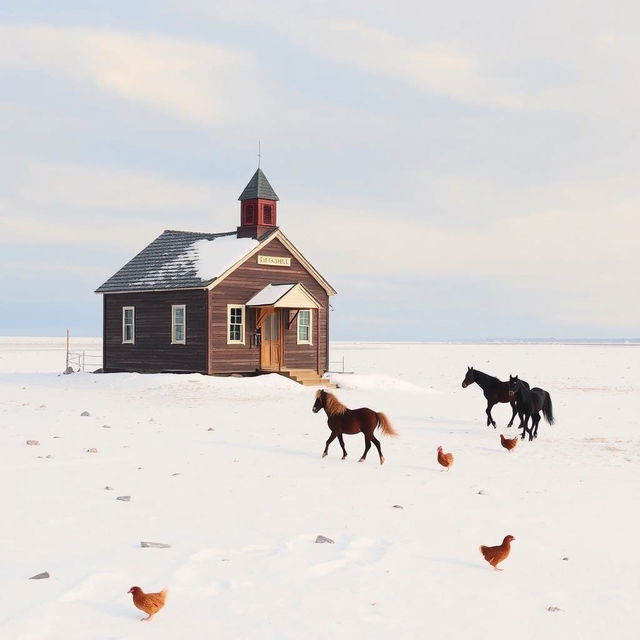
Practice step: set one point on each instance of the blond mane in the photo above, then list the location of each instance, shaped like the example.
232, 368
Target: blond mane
332, 405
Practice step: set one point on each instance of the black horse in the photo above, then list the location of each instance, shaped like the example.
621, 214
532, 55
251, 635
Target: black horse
494, 391
530, 402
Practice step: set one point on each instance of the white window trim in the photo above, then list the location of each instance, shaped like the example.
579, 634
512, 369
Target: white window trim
133, 325
242, 325
310, 340
173, 323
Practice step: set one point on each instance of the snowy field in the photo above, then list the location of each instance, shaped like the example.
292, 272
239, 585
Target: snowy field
229, 473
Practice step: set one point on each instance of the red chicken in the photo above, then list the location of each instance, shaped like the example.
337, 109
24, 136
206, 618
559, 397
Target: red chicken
495, 555
150, 603
445, 459
508, 443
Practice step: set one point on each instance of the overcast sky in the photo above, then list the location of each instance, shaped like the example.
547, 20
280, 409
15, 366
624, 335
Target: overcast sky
458, 170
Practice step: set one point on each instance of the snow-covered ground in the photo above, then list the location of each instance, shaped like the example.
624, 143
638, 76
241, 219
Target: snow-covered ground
229, 473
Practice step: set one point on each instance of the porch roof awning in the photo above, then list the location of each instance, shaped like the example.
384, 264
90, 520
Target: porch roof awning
284, 296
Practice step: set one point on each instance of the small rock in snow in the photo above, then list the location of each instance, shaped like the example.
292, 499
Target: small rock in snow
124, 498
155, 545
106, 426
43, 406
49, 456
108, 488
565, 558
85, 413
552, 608
92, 450
176, 474
40, 576
33, 442
398, 506
323, 539
210, 429
482, 492
56, 437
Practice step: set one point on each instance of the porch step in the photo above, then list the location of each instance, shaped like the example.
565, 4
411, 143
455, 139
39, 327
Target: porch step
307, 377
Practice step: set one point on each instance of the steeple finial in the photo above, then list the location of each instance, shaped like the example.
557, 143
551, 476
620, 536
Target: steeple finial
259, 155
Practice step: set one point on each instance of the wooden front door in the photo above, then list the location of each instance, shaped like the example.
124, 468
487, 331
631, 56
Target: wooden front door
271, 347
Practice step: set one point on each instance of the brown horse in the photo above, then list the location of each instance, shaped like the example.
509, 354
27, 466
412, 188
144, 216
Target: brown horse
344, 420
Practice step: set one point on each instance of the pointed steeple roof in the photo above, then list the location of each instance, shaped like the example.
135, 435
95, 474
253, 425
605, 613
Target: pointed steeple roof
258, 187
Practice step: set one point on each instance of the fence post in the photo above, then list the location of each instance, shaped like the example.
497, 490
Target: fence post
67, 366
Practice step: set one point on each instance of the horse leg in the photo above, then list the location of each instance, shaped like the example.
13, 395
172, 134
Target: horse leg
367, 446
378, 447
332, 437
536, 422
513, 415
532, 427
341, 441
490, 420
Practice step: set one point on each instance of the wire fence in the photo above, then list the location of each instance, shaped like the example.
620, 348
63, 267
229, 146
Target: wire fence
340, 368
83, 361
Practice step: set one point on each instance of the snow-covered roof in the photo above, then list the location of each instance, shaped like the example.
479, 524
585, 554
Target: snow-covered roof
291, 296
269, 295
180, 260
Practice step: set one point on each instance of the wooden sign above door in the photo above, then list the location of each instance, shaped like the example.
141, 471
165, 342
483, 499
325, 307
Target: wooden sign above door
274, 261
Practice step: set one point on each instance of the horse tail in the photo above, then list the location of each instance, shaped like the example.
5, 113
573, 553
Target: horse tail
385, 425
547, 409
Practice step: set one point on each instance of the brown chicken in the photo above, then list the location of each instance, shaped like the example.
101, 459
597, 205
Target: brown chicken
495, 555
445, 459
508, 443
150, 603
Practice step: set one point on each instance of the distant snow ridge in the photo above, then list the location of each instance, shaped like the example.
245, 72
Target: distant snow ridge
375, 381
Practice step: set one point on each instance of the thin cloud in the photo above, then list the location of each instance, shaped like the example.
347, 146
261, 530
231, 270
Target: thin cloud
438, 67
193, 81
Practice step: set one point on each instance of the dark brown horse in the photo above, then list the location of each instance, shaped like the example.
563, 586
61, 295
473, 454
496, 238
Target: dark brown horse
342, 420
494, 391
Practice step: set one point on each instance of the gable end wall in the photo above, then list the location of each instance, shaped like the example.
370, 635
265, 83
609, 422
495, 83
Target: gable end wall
240, 286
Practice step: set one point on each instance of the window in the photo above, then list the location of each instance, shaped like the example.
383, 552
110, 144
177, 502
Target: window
304, 326
249, 215
267, 214
235, 324
128, 325
178, 324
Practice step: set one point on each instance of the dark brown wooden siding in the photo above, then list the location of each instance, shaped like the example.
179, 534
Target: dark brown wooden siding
152, 350
237, 288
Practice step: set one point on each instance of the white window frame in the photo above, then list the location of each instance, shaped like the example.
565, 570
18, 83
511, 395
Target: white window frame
133, 325
174, 308
242, 324
310, 340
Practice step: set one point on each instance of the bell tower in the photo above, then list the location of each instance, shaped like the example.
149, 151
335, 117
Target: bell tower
258, 211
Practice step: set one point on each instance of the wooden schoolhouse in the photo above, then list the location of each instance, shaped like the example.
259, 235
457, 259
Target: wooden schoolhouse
244, 301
